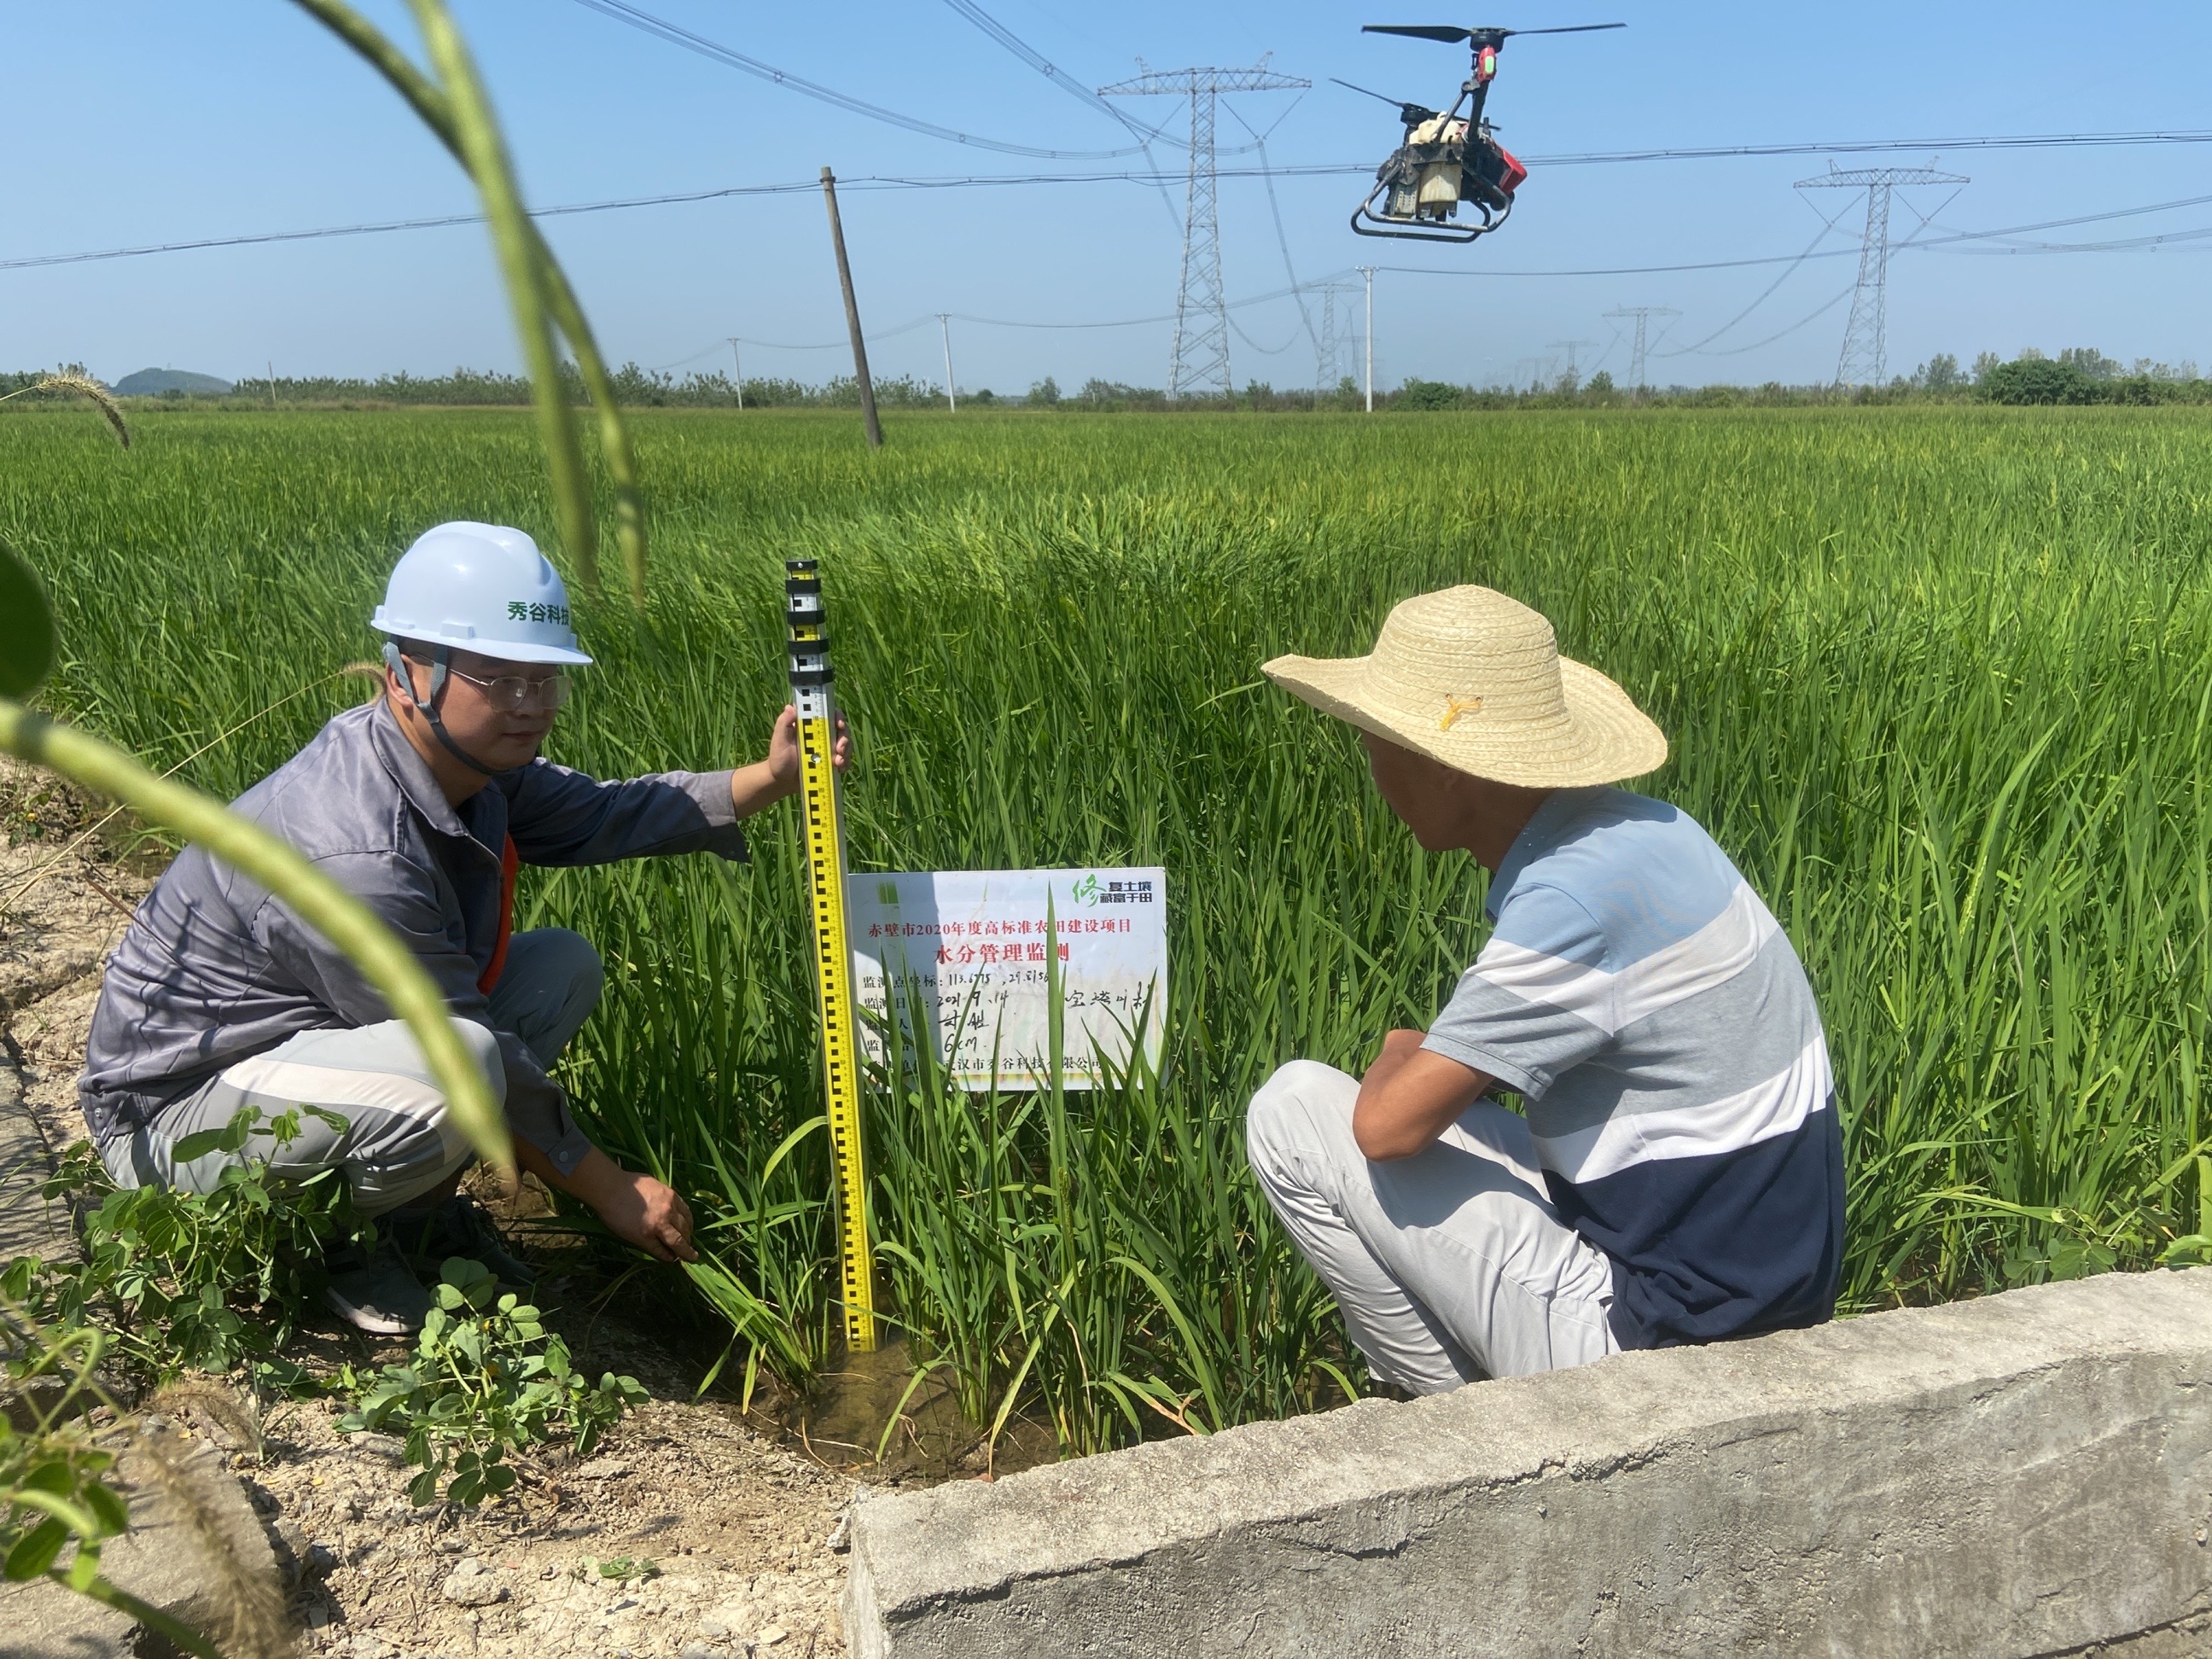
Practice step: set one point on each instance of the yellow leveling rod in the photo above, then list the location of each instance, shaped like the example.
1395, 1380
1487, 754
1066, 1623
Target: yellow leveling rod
817, 704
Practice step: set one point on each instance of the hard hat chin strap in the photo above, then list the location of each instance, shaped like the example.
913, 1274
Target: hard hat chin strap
428, 709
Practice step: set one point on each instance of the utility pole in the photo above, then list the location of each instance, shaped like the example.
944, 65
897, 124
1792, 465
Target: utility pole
738, 364
1637, 352
1200, 363
271, 367
852, 315
1368, 271
944, 322
1864, 336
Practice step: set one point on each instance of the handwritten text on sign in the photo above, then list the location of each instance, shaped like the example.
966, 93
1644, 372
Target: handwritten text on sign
976, 945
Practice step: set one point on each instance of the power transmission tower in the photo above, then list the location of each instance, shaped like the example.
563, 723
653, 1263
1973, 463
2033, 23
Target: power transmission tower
1571, 347
1200, 363
1335, 336
1864, 336
1642, 348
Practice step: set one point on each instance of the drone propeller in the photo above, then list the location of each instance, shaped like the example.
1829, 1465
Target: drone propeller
1450, 32
1412, 114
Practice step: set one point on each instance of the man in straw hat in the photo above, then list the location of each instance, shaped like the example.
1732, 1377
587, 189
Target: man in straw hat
1679, 1175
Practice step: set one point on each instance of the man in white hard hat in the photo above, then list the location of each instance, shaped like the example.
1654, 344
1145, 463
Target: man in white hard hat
221, 1002
1678, 1177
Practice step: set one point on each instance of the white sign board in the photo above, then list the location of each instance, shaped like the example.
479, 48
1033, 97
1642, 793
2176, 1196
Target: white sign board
973, 947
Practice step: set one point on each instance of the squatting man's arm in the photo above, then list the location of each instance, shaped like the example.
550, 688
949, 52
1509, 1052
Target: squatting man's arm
638, 1208
1410, 1095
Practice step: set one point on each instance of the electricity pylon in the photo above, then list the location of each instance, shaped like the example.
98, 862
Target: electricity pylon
1642, 348
1573, 348
1200, 363
1335, 337
1864, 337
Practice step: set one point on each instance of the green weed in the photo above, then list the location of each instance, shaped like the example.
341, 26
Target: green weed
174, 1280
487, 1379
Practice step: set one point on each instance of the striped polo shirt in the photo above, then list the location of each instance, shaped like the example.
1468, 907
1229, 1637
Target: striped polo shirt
1645, 1003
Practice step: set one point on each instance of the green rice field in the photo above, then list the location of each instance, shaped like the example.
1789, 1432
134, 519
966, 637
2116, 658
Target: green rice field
1938, 680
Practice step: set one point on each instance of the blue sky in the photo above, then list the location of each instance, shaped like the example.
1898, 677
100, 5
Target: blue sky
139, 121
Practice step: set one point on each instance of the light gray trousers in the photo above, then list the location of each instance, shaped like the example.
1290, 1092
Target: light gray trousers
397, 1141
1448, 1266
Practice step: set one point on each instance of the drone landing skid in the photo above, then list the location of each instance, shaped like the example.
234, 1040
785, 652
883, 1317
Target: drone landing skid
1368, 222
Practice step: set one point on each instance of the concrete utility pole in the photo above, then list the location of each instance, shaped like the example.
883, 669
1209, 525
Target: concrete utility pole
1864, 343
737, 365
944, 322
1200, 363
852, 315
1368, 271
1636, 352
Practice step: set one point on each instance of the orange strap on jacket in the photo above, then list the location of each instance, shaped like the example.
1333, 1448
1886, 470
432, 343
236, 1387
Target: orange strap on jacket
510, 863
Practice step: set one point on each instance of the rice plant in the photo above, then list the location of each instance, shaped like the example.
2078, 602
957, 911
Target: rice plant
1938, 680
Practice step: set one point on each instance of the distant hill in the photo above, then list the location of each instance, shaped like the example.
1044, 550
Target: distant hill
153, 382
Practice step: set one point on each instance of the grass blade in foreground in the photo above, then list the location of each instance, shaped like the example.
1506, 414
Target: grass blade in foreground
328, 909
461, 117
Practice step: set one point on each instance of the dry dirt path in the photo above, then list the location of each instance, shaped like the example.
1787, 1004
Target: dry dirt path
688, 1534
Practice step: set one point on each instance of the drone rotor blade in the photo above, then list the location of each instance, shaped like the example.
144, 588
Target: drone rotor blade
1397, 103
1572, 28
1447, 32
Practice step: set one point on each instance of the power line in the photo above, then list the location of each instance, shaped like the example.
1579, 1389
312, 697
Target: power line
1282, 239
908, 326
1881, 146
729, 57
2120, 245
1149, 180
1932, 243
1082, 94
1765, 293
970, 181
673, 198
1036, 60
1813, 315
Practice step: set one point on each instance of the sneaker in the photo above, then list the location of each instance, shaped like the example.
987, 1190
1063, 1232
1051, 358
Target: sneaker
457, 1227
375, 1291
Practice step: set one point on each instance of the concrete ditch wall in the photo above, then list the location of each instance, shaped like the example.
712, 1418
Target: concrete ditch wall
2027, 1475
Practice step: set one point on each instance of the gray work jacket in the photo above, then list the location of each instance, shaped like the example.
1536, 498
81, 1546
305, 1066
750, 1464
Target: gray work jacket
213, 970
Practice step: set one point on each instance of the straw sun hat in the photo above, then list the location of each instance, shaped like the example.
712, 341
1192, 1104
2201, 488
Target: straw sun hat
1474, 679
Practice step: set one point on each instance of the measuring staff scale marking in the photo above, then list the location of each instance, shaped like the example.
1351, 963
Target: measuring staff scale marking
816, 705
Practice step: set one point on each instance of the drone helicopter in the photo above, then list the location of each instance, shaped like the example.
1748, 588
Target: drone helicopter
1447, 158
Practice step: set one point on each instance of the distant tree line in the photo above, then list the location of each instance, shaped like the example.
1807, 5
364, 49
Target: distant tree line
2078, 375
636, 387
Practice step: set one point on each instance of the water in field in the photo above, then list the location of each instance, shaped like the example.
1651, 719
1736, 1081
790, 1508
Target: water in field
1937, 680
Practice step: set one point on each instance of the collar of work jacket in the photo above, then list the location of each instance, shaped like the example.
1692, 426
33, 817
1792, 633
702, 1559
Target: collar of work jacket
213, 970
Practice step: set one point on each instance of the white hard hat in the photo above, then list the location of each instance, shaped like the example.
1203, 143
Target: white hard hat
481, 587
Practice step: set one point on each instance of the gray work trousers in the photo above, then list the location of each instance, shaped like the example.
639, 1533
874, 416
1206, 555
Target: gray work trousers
397, 1142
1448, 1266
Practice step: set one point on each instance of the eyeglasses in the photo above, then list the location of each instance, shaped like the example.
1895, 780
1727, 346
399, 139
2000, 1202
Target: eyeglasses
510, 693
